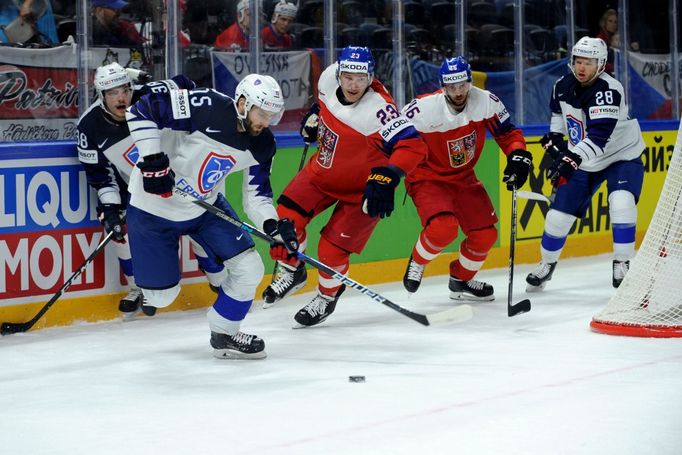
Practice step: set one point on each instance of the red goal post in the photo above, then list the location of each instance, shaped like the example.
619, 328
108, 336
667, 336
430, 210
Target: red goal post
648, 302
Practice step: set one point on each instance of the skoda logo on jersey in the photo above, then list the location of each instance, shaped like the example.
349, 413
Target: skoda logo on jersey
213, 171
575, 129
132, 155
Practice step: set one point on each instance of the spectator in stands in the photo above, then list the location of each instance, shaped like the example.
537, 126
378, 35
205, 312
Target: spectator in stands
276, 36
109, 29
608, 28
236, 36
32, 22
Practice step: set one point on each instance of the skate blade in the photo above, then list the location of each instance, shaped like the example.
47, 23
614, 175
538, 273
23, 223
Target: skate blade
460, 296
230, 354
531, 288
130, 316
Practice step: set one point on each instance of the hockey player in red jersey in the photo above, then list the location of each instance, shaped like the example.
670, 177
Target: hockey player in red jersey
448, 195
365, 147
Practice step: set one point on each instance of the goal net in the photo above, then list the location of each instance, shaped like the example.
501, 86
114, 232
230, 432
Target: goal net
648, 302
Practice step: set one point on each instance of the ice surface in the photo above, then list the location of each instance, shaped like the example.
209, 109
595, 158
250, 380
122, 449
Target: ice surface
539, 383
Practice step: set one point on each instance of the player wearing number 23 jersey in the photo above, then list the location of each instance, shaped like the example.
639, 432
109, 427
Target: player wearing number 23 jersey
365, 146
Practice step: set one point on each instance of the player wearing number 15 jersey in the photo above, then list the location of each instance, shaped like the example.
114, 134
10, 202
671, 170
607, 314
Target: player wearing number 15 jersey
361, 133
453, 122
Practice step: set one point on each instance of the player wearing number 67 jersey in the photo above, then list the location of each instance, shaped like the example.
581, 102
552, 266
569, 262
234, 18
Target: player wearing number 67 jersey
192, 140
365, 146
453, 121
108, 155
604, 144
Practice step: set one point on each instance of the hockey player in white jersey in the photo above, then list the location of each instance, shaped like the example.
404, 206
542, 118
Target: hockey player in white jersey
192, 139
604, 144
108, 155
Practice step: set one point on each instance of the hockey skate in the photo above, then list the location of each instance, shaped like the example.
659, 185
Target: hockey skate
620, 269
413, 276
538, 278
239, 346
470, 290
133, 302
285, 282
318, 310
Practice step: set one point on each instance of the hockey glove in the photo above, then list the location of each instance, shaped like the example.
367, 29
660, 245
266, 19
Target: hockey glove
157, 176
112, 217
380, 191
554, 144
310, 123
519, 162
282, 231
139, 76
563, 168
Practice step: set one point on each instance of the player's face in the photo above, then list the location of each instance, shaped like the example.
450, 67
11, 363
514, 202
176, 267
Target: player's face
353, 85
585, 69
257, 120
117, 100
282, 24
458, 93
246, 19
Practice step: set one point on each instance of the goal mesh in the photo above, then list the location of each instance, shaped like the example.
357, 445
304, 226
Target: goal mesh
648, 302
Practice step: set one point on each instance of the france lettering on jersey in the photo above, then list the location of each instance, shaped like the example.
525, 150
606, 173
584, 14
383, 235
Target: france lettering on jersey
456, 139
596, 120
105, 147
197, 129
354, 138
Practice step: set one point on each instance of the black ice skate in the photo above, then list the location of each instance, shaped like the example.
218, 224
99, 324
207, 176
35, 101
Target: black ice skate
318, 309
131, 302
148, 310
413, 276
239, 346
539, 277
620, 269
470, 290
286, 281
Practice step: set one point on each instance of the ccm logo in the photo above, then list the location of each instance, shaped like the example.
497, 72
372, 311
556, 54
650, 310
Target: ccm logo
160, 173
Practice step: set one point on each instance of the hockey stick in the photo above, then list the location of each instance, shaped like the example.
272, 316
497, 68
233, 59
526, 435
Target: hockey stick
524, 305
458, 314
533, 196
8, 328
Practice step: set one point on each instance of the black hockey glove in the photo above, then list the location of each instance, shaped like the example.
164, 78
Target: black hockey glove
310, 123
138, 76
283, 231
112, 217
554, 144
519, 162
563, 168
157, 176
380, 192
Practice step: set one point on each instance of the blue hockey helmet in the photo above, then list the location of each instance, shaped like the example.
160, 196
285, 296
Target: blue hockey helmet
455, 70
355, 59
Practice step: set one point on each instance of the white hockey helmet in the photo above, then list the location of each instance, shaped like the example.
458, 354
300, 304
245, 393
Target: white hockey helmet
110, 76
587, 47
263, 92
286, 9
242, 6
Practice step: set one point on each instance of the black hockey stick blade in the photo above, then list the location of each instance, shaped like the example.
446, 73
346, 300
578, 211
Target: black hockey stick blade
521, 307
457, 314
9, 328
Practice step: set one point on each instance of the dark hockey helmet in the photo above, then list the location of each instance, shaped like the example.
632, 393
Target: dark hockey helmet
455, 70
355, 59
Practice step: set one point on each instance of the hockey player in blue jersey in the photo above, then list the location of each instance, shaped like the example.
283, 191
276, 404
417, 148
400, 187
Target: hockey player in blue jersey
604, 144
108, 155
192, 139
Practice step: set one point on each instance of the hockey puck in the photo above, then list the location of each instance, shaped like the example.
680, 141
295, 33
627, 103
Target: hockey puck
356, 379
